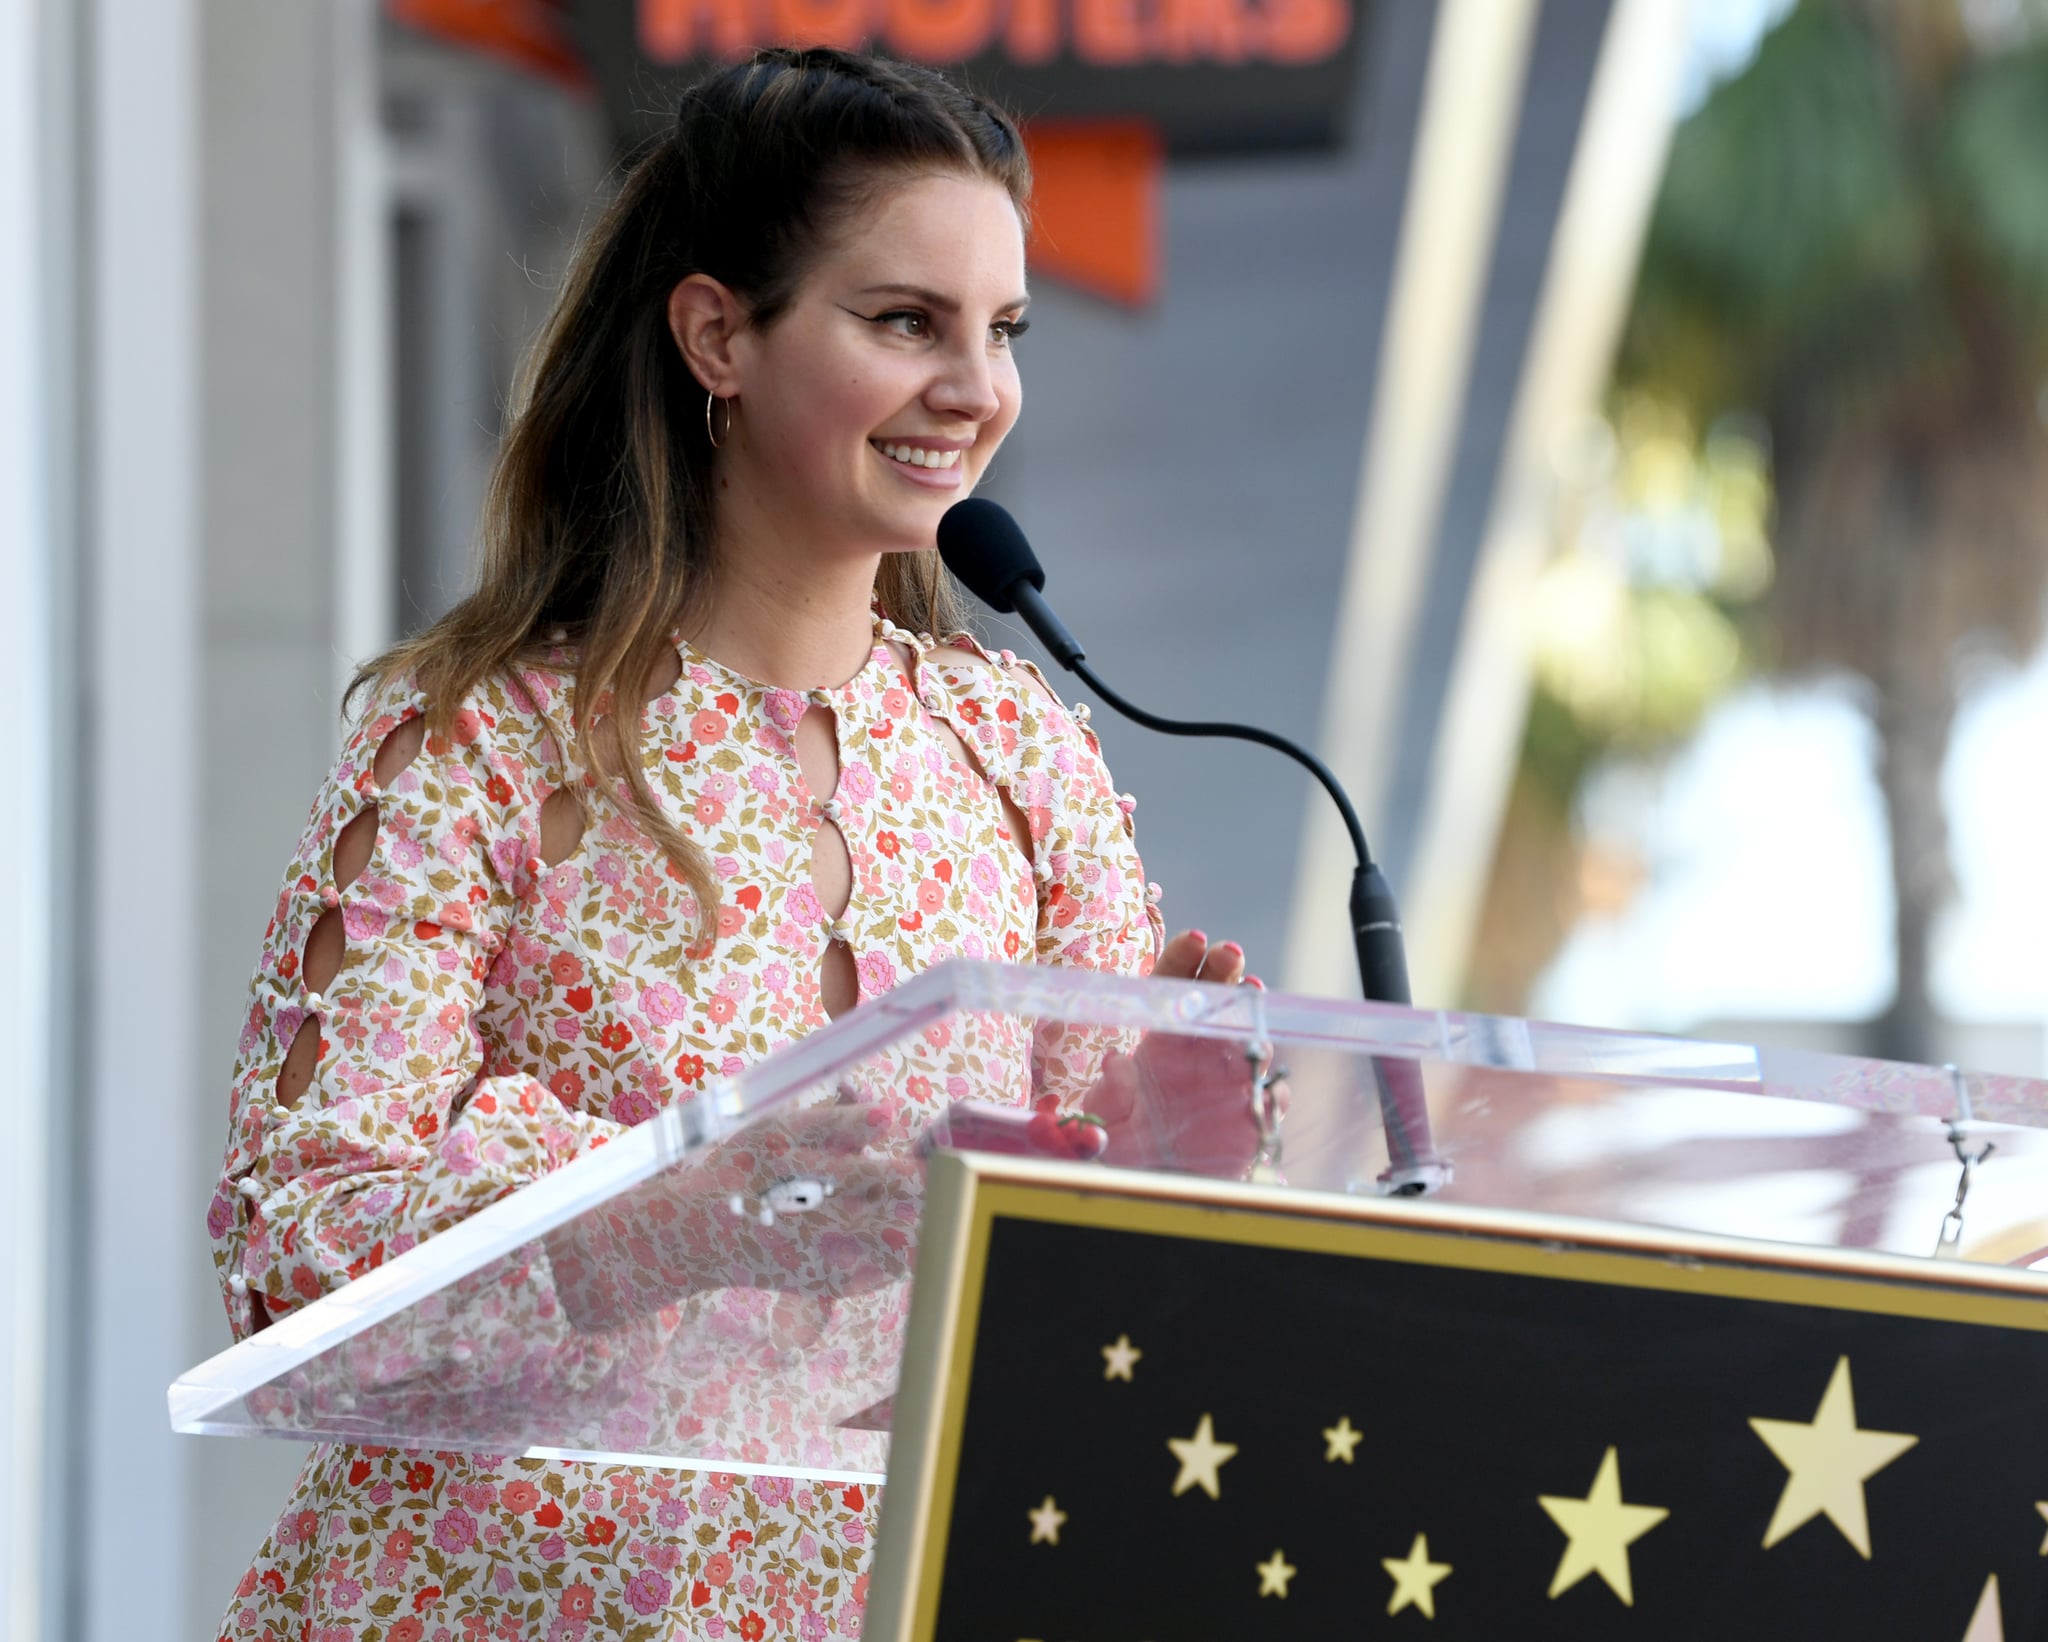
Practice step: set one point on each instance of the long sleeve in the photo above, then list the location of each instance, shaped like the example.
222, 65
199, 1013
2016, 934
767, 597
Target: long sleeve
404, 1128
1095, 910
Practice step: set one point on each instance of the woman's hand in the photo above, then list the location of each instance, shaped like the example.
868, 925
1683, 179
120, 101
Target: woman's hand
1182, 1101
1189, 956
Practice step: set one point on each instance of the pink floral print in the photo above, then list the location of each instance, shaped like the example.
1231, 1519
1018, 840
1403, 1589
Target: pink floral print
495, 1017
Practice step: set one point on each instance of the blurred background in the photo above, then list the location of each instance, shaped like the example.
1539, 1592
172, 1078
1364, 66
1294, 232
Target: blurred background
1615, 432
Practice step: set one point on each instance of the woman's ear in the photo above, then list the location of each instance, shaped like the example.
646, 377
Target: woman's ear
704, 317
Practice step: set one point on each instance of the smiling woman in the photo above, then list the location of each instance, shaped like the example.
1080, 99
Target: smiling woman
881, 394
701, 764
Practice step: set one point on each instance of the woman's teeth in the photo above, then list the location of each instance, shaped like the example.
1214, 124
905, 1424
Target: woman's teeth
918, 457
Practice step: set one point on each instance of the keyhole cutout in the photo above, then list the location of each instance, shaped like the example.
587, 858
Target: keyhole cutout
1014, 821
817, 756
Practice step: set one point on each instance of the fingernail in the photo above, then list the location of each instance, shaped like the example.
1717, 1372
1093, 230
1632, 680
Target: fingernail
1197, 935
1253, 980
1232, 946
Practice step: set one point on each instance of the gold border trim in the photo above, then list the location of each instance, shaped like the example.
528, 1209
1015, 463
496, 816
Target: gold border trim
931, 1402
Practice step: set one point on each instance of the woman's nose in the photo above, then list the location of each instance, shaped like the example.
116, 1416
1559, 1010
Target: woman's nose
967, 387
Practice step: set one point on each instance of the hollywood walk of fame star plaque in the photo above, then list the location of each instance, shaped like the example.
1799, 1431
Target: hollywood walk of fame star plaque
1359, 1417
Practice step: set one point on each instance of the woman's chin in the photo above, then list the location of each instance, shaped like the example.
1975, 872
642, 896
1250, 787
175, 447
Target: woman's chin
913, 526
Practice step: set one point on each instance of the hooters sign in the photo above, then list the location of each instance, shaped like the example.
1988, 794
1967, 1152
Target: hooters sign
1210, 76
1107, 88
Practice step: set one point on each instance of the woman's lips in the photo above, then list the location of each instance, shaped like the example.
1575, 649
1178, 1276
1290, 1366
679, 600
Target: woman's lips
950, 477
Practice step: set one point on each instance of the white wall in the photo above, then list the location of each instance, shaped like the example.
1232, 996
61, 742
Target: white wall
138, 891
33, 459
209, 362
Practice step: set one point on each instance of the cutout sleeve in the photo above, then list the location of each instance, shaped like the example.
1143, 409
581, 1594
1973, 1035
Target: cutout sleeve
405, 1127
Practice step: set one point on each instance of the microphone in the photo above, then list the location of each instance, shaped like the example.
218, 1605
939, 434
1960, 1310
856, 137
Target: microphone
986, 550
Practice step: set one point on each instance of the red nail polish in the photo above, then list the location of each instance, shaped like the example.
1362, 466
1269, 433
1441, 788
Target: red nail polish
1232, 946
1197, 935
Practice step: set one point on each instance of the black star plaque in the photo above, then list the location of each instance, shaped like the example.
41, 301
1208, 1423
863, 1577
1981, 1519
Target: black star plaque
1338, 1418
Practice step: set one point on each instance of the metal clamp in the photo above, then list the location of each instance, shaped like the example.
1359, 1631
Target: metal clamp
1266, 1077
1948, 1243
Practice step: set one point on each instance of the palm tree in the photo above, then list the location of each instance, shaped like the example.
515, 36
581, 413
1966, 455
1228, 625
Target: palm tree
1851, 243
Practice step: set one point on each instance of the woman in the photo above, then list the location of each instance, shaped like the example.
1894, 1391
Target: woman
685, 778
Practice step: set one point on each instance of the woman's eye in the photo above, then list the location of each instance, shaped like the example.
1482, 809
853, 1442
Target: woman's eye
1006, 331
907, 322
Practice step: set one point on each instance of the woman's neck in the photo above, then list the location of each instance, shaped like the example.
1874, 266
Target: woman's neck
801, 626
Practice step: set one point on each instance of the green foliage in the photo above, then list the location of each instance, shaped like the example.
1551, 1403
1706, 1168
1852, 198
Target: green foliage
1850, 248
1642, 620
1850, 245
1992, 170
1791, 180
1840, 220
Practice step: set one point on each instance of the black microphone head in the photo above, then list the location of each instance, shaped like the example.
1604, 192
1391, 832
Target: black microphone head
983, 546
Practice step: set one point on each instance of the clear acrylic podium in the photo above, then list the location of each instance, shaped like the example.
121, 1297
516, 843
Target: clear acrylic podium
728, 1284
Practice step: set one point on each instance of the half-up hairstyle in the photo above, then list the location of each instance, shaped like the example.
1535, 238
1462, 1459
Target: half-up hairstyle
596, 521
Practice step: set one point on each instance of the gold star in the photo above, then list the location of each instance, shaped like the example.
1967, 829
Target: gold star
1200, 1456
1829, 1461
1599, 1529
1120, 1358
2041, 1505
1987, 1623
1415, 1578
1045, 1523
1342, 1439
1274, 1575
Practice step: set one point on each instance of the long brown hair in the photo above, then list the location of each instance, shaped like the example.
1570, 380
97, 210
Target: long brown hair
596, 521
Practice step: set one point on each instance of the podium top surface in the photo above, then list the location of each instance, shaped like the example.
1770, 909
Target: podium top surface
727, 1285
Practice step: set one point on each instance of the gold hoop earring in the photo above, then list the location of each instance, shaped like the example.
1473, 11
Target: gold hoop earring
711, 399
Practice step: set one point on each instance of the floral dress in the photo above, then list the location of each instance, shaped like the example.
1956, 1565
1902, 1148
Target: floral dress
494, 1017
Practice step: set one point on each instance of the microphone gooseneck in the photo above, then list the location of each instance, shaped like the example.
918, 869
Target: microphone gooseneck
1375, 921
983, 546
